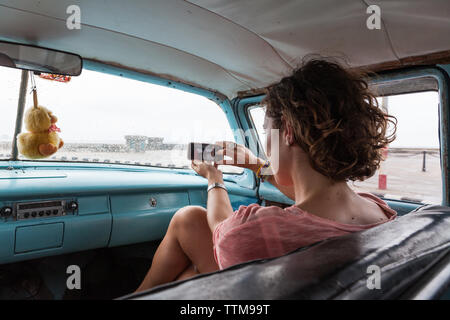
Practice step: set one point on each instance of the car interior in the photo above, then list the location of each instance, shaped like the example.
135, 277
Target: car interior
132, 83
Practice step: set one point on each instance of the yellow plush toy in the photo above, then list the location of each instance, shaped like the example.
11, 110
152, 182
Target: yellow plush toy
42, 140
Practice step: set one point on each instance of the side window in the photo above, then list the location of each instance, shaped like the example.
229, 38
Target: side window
112, 119
411, 170
257, 114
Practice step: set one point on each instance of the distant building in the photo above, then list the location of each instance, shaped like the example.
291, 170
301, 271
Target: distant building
136, 143
132, 144
143, 143
154, 143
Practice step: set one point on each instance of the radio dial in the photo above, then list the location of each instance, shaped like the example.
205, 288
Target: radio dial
72, 205
6, 211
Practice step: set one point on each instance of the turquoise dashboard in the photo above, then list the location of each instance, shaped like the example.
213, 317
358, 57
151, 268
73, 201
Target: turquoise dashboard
56, 208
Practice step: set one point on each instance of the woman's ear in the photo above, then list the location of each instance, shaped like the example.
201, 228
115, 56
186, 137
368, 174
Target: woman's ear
288, 133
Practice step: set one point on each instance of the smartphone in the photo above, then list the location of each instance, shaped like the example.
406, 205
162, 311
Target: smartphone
203, 151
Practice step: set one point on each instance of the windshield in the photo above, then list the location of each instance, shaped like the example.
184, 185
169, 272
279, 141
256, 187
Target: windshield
111, 119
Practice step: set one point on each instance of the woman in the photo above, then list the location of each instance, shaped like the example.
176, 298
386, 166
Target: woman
330, 131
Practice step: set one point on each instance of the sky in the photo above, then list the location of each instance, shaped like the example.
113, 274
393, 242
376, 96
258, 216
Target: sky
418, 119
96, 107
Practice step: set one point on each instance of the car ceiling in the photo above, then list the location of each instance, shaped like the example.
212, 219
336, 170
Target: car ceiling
229, 46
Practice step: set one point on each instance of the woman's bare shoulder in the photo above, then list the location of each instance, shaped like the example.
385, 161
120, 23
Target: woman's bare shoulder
372, 209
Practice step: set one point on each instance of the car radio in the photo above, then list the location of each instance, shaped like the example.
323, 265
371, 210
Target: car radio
44, 209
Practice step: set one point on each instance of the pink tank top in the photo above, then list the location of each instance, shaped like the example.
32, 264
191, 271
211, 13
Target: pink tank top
255, 232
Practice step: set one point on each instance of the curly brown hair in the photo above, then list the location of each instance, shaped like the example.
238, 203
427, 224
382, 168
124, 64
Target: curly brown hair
335, 118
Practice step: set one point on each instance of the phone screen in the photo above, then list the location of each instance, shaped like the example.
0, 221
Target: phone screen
203, 151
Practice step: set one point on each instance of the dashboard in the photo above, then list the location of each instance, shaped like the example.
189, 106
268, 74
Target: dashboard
49, 210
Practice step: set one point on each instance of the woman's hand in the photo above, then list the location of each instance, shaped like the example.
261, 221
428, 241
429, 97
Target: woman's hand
208, 171
239, 154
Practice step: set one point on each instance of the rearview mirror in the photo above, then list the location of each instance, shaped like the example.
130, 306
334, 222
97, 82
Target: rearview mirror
27, 57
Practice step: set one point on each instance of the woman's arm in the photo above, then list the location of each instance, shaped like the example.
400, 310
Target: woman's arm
218, 206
